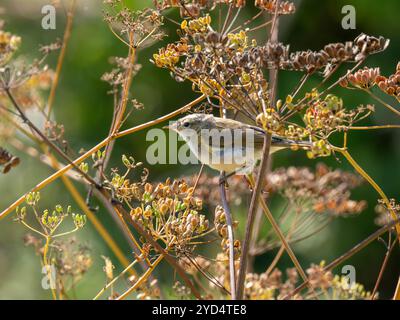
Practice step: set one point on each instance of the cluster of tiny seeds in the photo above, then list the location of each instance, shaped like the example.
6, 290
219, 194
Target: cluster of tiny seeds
171, 213
324, 116
222, 229
199, 25
332, 54
122, 188
116, 77
319, 148
143, 24
167, 57
326, 190
343, 290
221, 270
149, 290
390, 85
295, 132
270, 120
363, 78
318, 277
270, 286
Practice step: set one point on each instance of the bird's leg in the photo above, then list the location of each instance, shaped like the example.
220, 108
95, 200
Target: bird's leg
247, 179
224, 178
94, 209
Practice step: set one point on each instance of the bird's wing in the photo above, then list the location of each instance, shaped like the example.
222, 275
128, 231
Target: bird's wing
231, 133
247, 135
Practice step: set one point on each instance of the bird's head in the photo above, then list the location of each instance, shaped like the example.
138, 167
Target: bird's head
196, 122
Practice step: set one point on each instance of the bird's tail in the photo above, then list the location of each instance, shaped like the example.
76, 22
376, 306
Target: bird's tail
287, 143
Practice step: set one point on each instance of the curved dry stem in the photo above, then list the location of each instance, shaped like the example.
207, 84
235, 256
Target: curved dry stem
387, 126
371, 181
61, 57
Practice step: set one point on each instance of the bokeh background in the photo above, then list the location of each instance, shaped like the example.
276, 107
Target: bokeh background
85, 108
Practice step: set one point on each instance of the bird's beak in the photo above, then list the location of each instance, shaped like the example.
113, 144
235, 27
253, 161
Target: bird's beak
171, 126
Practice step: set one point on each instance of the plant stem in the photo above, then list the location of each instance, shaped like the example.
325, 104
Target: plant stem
48, 267
273, 79
382, 269
387, 126
250, 217
61, 57
232, 271
142, 279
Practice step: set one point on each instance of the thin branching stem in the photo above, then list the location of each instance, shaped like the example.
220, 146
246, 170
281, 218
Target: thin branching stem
397, 112
382, 269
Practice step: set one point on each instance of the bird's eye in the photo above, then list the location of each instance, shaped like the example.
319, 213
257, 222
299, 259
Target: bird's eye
186, 124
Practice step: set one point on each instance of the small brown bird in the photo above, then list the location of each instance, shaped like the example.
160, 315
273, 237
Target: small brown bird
225, 144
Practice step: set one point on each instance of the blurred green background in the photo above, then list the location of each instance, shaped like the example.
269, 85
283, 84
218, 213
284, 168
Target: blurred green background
86, 110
